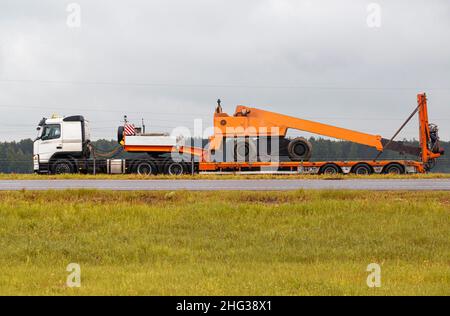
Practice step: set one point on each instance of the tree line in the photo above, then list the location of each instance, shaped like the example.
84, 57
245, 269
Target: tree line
17, 157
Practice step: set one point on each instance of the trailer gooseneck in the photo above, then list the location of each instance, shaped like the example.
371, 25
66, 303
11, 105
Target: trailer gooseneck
251, 140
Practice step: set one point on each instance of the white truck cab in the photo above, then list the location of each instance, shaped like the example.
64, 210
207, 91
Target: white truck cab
60, 141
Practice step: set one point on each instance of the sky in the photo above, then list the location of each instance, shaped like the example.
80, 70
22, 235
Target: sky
354, 64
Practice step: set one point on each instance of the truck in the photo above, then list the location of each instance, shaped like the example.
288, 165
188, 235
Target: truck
251, 140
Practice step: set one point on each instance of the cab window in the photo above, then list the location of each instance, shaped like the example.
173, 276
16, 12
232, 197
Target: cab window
51, 131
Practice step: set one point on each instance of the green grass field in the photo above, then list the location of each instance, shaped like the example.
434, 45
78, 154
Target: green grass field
225, 243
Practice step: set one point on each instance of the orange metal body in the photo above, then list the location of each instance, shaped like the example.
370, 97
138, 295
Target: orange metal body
294, 165
248, 121
424, 129
254, 122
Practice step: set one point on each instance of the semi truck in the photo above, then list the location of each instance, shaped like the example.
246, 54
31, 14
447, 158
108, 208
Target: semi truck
251, 140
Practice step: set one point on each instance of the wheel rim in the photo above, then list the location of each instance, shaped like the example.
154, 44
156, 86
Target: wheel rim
300, 149
362, 171
175, 169
242, 151
330, 170
144, 169
394, 170
62, 168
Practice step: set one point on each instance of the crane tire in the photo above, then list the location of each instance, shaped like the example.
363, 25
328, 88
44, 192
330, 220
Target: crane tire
245, 150
299, 149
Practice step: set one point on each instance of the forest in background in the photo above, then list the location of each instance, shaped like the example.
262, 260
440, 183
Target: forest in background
16, 157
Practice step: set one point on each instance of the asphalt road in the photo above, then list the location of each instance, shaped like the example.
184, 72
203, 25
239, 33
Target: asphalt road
241, 185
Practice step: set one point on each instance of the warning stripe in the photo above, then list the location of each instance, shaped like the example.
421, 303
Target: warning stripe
129, 130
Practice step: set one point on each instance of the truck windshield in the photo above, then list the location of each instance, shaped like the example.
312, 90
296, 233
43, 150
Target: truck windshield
51, 131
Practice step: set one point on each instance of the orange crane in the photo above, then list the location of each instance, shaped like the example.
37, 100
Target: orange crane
253, 122
248, 127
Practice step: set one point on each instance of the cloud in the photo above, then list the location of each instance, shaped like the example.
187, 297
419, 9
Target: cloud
168, 61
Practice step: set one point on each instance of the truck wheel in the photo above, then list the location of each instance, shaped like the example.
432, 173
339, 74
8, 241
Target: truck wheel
146, 168
175, 168
362, 169
299, 149
62, 166
245, 150
394, 168
330, 169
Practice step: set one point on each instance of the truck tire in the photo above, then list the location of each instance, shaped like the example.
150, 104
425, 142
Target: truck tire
245, 150
62, 166
299, 149
145, 168
330, 169
394, 168
175, 168
362, 169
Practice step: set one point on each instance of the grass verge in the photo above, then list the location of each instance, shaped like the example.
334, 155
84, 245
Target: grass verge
224, 243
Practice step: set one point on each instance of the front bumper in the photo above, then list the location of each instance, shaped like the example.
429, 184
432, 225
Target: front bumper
39, 167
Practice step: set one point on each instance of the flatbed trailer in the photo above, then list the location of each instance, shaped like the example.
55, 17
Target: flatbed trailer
63, 146
151, 166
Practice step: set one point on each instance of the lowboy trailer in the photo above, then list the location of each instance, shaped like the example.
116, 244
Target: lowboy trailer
251, 140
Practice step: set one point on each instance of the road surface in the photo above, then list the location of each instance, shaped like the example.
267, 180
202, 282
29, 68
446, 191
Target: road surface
237, 185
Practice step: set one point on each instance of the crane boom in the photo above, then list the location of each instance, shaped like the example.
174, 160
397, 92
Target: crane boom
248, 121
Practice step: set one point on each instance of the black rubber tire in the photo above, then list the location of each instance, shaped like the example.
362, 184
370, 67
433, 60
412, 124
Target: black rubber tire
299, 149
330, 169
175, 168
245, 150
362, 169
120, 131
394, 168
62, 166
145, 168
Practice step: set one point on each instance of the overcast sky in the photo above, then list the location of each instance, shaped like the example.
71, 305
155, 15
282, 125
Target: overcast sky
169, 60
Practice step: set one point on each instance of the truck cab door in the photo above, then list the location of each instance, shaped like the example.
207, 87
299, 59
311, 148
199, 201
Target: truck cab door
73, 138
50, 142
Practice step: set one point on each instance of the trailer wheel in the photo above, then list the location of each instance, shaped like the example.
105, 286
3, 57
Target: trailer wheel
62, 166
175, 168
299, 149
362, 169
146, 168
394, 168
330, 169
